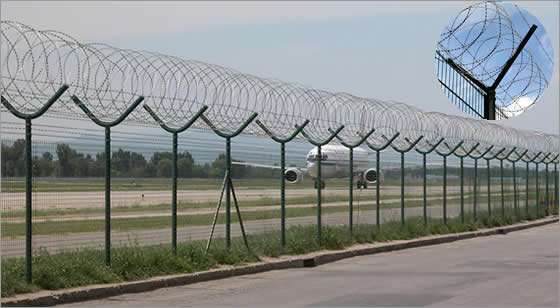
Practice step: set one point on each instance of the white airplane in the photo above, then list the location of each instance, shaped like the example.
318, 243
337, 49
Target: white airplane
335, 163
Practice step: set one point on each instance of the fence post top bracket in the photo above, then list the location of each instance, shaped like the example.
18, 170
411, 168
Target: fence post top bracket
282, 140
324, 142
356, 144
106, 124
230, 135
38, 113
181, 129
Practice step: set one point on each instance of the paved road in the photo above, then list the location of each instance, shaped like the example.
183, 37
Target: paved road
517, 269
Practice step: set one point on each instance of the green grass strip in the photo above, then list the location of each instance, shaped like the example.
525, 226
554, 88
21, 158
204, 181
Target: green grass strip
81, 267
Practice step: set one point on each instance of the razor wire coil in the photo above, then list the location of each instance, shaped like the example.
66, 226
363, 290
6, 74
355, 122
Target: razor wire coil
35, 63
480, 38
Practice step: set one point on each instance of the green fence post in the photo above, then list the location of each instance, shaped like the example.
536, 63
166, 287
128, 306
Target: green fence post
537, 188
556, 185
282, 142
488, 176
527, 175
489, 184
319, 183
444, 155
527, 189
377, 150
475, 189
537, 181
515, 191
351, 191
502, 179
29, 172
107, 126
28, 200
515, 198
175, 136
282, 195
424, 191
462, 176
174, 196
402, 188
502, 186
107, 195
351, 175
445, 190
462, 190
547, 204
228, 193
411, 145
227, 177
377, 206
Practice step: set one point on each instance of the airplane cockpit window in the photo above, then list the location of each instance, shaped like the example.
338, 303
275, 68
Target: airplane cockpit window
314, 158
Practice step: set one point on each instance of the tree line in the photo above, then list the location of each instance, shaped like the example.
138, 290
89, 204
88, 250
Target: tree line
69, 162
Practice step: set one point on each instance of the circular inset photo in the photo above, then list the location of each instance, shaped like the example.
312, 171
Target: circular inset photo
494, 60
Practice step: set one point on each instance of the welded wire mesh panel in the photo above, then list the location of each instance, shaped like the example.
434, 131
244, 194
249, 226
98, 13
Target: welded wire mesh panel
301, 202
462, 92
389, 188
13, 187
434, 186
142, 212
66, 189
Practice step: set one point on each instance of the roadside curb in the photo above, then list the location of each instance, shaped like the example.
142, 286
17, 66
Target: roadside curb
50, 298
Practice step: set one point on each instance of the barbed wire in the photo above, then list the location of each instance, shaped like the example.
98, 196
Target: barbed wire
36, 63
481, 38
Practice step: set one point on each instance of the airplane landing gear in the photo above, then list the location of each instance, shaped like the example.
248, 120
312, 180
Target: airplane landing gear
322, 184
361, 184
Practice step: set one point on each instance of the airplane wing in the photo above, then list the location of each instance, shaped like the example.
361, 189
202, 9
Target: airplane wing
242, 163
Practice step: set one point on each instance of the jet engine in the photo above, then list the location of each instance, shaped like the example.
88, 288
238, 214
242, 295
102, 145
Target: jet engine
293, 175
371, 175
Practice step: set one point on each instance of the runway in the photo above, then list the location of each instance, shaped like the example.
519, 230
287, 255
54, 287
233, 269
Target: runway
89, 199
516, 269
182, 211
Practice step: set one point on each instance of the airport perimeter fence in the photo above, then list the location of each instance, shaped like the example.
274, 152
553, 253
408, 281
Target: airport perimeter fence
144, 188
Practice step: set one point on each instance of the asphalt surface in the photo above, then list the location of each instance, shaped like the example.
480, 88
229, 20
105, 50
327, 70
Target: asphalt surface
516, 269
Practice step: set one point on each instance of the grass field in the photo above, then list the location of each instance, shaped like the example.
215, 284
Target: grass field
126, 184
120, 184
86, 266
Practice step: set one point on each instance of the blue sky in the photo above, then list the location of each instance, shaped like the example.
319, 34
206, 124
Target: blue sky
374, 49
